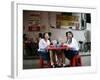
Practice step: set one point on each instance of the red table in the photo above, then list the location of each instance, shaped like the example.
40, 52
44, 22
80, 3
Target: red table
52, 48
57, 48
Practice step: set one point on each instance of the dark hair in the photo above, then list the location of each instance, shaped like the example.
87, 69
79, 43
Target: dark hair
69, 32
40, 35
49, 33
44, 34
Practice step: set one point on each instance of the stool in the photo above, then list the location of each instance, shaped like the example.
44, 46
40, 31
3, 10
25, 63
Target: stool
76, 61
42, 64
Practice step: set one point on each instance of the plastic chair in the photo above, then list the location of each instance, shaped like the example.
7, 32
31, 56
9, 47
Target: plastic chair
76, 61
43, 64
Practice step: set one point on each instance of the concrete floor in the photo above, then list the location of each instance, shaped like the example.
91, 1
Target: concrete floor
33, 64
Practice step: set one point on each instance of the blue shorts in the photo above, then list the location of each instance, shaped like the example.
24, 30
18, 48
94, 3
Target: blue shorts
45, 55
70, 53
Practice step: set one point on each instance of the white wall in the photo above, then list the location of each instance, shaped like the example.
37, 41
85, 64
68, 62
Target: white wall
60, 34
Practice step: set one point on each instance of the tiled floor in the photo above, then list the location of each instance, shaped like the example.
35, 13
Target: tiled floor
33, 64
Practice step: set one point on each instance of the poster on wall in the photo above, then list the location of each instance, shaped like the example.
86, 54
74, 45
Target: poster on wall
52, 51
66, 21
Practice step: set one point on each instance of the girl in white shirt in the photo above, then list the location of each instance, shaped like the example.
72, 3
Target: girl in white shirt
43, 44
72, 44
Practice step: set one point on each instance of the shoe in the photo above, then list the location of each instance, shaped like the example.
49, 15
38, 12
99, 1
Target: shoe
52, 66
66, 66
60, 65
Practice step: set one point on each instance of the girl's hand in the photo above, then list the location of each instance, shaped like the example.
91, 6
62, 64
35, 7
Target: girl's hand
47, 47
67, 48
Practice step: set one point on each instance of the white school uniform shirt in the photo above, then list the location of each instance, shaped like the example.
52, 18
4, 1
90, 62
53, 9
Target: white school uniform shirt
43, 44
73, 44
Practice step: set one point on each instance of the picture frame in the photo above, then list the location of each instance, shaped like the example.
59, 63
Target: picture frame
17, 30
